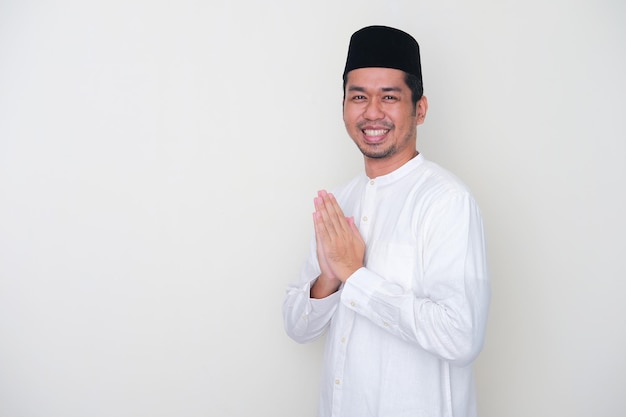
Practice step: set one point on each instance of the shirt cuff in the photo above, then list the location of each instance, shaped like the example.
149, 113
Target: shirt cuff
360, 288
370, 295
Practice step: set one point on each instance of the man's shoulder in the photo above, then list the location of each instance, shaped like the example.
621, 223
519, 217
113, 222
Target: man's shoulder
432, 175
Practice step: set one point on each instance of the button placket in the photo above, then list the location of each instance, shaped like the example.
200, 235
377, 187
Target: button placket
339, 365
367, 208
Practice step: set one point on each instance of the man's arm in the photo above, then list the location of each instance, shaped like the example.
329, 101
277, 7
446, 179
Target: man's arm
309, 306
306, 318
449, 316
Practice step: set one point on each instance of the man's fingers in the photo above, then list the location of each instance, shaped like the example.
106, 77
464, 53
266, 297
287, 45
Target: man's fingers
332, 213
321, 232
339, 243
326, 214
354, 229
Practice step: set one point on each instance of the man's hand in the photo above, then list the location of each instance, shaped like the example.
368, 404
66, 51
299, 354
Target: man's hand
340, 247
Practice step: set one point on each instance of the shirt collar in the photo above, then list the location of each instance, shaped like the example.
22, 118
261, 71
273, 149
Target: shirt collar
401, 172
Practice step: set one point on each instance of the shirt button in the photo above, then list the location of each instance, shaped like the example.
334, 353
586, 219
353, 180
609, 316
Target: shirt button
372, 182
337, 382
385, 324
343, 340
352, 303
364, 218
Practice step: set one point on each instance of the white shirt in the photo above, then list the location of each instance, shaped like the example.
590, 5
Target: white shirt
403, 330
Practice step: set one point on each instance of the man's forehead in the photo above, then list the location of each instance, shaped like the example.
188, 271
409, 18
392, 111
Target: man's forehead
385, 79
352, 87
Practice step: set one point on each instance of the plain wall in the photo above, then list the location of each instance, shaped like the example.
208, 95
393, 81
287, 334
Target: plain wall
158, 162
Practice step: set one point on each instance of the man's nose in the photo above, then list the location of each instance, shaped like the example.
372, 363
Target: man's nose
373, 110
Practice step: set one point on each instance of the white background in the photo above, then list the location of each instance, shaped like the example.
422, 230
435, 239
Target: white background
158, 162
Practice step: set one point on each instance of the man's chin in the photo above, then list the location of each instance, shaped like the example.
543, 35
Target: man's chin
377, 153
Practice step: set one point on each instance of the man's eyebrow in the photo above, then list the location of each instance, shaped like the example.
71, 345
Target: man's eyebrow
391, 89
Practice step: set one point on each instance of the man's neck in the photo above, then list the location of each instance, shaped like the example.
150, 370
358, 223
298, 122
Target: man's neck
377, 167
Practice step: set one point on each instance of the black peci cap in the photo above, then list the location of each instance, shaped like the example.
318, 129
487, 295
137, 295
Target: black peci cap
385, 47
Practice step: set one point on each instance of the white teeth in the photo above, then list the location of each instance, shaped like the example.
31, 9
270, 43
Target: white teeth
378, 132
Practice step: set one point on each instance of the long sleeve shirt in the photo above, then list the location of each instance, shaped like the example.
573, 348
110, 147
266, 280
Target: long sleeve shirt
404, 329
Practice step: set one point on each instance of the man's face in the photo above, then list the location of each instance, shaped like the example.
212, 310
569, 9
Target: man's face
379, 115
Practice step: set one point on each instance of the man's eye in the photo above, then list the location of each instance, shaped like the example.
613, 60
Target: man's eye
358, 98
390, 98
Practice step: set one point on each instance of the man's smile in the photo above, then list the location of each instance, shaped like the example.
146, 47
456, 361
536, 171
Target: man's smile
375, 132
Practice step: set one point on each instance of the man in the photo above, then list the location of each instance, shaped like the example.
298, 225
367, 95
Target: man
397, 273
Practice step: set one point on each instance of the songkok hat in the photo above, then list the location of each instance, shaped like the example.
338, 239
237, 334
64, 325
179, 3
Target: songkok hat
386, 47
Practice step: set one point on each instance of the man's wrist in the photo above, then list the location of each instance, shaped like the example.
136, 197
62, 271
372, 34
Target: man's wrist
348, 273
323, 286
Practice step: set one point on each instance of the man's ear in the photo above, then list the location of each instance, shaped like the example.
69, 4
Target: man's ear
421, 110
